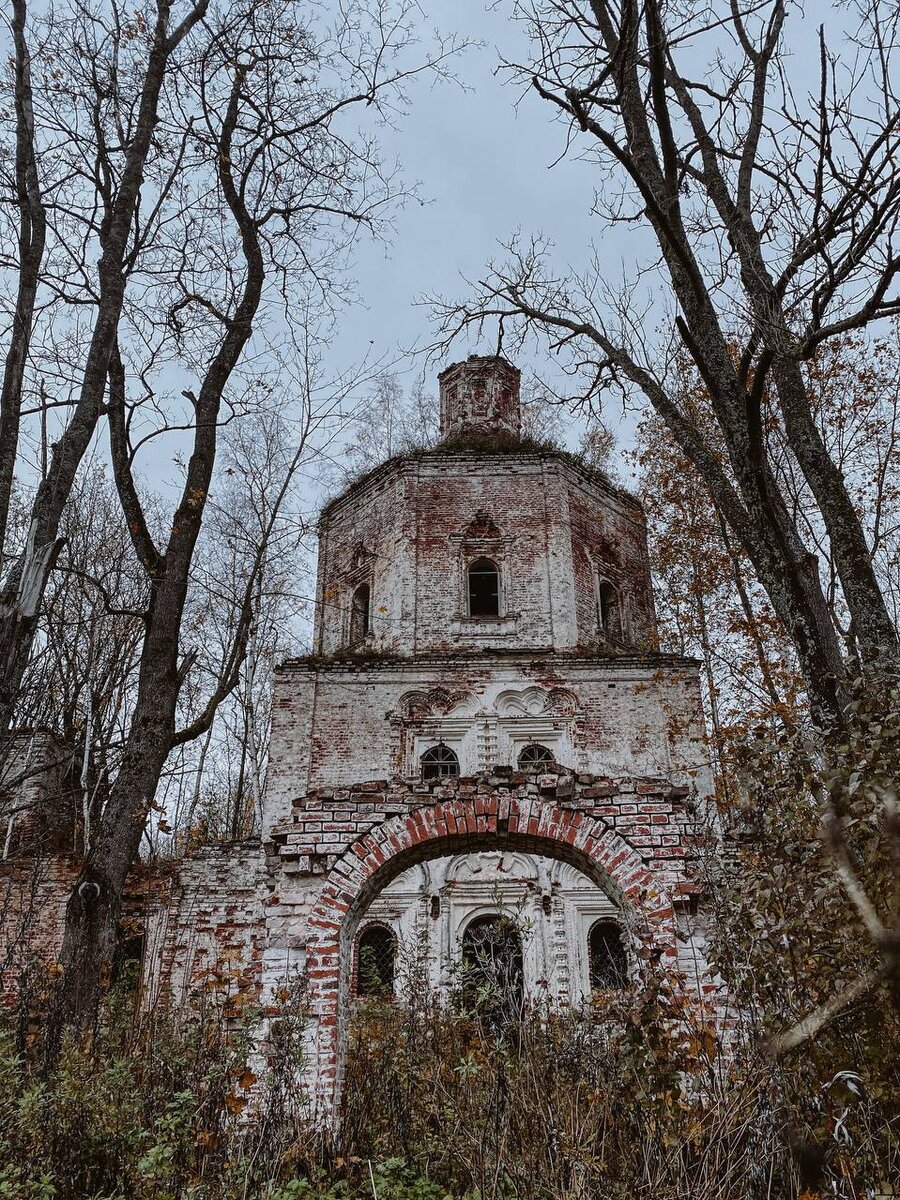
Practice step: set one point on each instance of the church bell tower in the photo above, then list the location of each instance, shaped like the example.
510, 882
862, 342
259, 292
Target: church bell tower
485, 701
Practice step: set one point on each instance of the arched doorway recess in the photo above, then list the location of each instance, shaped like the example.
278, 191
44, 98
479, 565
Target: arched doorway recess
482, 822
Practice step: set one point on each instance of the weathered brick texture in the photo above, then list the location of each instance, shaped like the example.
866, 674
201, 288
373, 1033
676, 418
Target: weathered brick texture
410, 529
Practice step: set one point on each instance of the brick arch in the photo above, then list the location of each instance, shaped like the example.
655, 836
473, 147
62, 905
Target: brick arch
455, 826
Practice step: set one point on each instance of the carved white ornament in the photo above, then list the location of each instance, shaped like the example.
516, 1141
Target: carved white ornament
532, 702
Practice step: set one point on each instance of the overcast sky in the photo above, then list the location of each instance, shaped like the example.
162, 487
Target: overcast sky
488, 166
485, 169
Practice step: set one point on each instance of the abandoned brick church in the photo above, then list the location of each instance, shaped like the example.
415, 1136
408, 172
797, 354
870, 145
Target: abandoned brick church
484, 725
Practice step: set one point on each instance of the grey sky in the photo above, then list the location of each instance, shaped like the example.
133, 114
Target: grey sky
484, 171
488, 167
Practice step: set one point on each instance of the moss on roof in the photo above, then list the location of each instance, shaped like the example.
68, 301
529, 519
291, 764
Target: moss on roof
498, 443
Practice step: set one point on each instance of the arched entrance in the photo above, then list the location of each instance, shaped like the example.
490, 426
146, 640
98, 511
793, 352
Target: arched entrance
481, 822
493, 979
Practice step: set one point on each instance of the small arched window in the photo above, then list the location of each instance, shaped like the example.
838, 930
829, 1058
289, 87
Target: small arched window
375, 961
608, 601
484, 588
535, 757
439, 762
607, 956
359, 615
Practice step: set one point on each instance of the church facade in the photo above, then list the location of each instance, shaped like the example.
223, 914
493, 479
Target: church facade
485, 727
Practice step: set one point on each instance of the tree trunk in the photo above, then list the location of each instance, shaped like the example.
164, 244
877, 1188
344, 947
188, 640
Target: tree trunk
871, 628
32, 239
94, 906
22, 593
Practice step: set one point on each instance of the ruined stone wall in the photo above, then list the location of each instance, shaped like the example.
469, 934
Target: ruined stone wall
205, 924
656, 819
196, 922
372, 542
37, 808
335, 723
339, 848
614, 548
33, 894
411, 528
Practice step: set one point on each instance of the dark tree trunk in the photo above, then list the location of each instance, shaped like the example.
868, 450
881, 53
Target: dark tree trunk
24, 588
32, 239
94, 906
93, 910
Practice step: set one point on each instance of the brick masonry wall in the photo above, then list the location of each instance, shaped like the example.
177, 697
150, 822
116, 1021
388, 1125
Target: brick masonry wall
340, 846
202, 919
33, 895
236, 923
205, 924
553, 527
335, 723
656, 819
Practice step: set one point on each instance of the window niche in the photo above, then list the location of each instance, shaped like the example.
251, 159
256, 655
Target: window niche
607, 957
360, 605
481, 555
493, 975
483, 578
376, 955
608, 605
535, 758
440, 762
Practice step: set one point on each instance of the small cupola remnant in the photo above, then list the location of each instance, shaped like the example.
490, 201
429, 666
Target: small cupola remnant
480, 397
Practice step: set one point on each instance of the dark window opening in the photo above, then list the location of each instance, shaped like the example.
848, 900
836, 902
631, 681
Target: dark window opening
609, 609
439, 762
375, 961
493, 979
359, 615
484, 589
608, 957
128, 959
535, 757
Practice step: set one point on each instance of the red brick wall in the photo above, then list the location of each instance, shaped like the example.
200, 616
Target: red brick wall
337, 722
633, 839
33, 895
414, 516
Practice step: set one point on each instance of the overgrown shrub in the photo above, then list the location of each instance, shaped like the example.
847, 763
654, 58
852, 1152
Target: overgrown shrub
180, 1106
626, 1099
794, 1097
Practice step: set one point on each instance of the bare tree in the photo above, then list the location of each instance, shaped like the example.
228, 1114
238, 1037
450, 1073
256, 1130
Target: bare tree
273, 184
775, 216
101, 105
219, 781
80, 679
25, 190
388, 421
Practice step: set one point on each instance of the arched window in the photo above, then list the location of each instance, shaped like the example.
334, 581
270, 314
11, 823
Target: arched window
359, 615
607, 956
535, 757
484, 589
375, 961
493, 980
608, 601
439, 762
